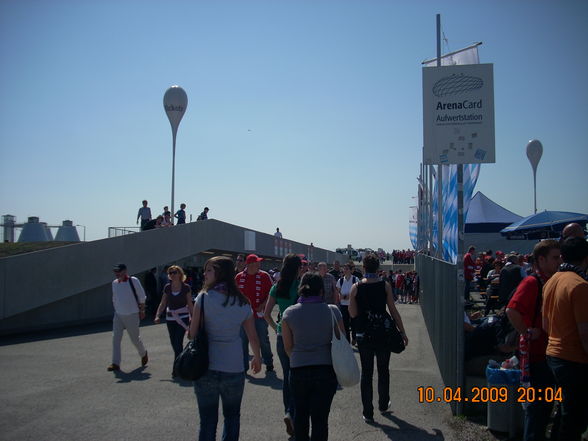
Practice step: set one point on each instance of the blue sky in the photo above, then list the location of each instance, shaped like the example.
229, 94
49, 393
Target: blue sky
305, 115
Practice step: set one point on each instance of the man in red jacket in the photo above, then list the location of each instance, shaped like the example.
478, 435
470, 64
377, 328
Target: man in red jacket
524, 312
255, 284
469, 269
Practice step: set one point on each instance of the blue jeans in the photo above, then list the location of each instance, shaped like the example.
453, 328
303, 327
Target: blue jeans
264, 343
313, 388
467, 286
367, 352
538, 412
287, 396
573, 379
229, 387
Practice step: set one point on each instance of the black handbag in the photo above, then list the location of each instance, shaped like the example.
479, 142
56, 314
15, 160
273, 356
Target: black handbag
395, 341
379, 329
192, 363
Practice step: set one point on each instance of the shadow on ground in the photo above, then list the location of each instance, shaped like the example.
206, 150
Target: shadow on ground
138, 374
270, 380
403, 431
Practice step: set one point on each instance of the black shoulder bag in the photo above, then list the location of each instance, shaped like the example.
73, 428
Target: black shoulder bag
192, 363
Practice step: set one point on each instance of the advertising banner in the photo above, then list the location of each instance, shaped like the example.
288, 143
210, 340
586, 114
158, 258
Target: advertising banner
458, 114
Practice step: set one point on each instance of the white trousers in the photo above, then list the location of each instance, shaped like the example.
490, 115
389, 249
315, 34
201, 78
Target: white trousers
129, 322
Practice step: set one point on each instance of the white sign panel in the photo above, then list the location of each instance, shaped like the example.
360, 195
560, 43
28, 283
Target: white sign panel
458, 114
249, 244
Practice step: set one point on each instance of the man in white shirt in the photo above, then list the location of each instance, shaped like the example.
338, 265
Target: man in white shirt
278, 234
128, 298
343, 286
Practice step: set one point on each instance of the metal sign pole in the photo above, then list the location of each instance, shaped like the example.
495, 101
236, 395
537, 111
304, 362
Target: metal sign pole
440, 252
175, 102
460, 283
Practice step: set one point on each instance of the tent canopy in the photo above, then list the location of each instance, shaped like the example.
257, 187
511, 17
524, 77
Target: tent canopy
544, 224
486, 216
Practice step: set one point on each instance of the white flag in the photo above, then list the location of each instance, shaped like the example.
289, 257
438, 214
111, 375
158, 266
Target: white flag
468, 55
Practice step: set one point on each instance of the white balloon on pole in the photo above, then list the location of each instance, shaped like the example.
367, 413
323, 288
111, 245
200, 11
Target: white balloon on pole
175, 102
534, 153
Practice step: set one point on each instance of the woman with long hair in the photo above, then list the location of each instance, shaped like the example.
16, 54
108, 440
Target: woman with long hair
177, 301
226, 309
307, 330
284, 294
368, 301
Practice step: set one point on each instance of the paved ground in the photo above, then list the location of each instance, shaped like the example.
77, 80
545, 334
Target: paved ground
55, 386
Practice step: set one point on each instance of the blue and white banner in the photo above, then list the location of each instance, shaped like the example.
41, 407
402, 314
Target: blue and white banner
470, 178
413, 226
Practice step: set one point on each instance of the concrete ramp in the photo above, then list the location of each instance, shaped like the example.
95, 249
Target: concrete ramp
71, 284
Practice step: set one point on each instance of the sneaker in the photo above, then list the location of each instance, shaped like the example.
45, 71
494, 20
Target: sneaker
387, 409
113, 367
368, 420
144, 359
289, 424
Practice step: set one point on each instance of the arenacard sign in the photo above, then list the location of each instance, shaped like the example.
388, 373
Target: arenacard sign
458, 114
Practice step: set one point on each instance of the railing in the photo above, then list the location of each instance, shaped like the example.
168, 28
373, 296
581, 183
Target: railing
442, 307
122, 231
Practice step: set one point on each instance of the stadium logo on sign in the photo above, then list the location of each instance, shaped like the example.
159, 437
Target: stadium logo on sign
456, 84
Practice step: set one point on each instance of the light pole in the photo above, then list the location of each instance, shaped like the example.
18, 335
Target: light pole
175, 102
84, 227
534, 153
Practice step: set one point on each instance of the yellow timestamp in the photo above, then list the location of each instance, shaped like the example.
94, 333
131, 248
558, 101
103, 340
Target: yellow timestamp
490, 394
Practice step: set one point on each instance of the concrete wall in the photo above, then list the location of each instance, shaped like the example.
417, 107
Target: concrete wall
71, 284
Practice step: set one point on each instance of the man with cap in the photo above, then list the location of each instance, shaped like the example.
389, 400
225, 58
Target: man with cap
128, 298
255, 284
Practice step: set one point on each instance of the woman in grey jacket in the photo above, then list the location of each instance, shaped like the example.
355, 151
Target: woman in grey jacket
307, 329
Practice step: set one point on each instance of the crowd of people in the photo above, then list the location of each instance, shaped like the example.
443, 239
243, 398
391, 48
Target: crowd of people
403, 256
235, 304
165, 219
536, 307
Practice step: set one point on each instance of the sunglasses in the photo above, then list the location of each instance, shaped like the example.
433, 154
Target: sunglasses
171, 273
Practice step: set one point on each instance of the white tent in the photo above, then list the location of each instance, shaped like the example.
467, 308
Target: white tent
486, 216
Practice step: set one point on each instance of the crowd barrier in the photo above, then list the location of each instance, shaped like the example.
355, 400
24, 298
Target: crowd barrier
442, 307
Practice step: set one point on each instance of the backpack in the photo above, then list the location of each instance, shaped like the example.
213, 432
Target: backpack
506, 327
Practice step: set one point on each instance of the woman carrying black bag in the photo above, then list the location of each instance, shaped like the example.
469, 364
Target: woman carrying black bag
225, 311
368, 301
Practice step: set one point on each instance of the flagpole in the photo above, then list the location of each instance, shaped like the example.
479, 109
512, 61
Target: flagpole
440, 252
432, 253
